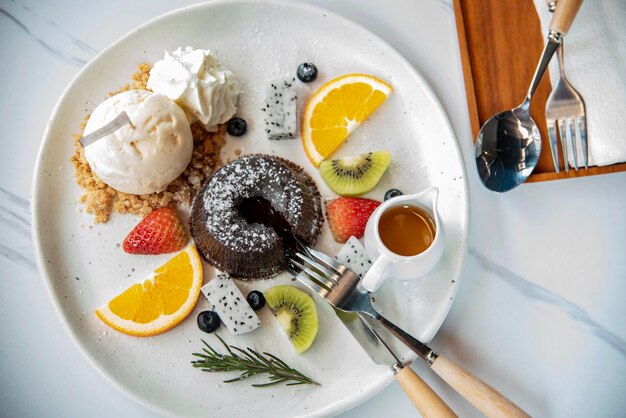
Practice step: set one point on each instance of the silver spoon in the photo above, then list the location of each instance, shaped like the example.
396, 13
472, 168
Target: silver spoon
508, 145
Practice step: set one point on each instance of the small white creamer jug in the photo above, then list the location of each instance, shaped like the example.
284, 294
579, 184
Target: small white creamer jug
389, 264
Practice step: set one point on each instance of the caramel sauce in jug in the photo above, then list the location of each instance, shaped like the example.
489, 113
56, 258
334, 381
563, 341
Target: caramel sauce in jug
406, 230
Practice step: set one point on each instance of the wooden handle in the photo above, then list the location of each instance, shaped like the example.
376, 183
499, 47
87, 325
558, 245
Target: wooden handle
564, 15
426, 401
488, 400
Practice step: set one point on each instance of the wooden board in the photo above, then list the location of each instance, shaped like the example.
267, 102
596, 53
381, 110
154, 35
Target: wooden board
500, 43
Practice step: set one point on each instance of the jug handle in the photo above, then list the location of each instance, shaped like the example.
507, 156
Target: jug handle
375, 276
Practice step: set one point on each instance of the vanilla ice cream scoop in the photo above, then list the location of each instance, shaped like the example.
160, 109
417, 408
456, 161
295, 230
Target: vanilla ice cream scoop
146, 156
194, 78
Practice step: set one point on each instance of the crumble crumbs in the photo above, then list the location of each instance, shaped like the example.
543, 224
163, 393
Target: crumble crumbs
100, 199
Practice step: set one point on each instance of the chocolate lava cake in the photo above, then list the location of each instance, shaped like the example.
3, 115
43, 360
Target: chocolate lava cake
246, 214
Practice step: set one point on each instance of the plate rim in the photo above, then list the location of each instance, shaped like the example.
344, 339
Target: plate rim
341, 405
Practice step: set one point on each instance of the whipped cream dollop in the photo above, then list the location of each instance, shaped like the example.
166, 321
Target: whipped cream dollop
145, 157
195, 80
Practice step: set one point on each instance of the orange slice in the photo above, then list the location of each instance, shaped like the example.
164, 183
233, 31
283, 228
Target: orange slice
337, 109
160, 302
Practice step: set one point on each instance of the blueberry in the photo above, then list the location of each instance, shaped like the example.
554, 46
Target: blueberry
256, 300
237, 127
208, 321
392, 193
307, 72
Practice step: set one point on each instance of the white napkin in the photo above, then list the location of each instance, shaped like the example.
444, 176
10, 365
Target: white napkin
595, 64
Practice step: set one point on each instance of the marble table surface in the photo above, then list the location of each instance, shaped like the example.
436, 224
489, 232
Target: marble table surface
540, 313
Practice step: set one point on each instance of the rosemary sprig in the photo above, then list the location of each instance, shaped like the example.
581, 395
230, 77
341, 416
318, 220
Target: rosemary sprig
249, 363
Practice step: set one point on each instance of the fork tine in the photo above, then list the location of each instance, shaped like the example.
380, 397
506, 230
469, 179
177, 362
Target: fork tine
563, 136
581, 125
315, 276
554, 148
327, 261
316, 266
305, 280
571, 140
302, 244
330, 267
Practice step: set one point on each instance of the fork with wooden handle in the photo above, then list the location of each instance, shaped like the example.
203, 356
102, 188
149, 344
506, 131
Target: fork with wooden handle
339, 286
566, 112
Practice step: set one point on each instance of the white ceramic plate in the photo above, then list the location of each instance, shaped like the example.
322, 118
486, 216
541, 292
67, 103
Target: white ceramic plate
84, 267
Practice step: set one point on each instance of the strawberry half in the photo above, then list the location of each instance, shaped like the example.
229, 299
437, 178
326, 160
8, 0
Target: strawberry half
160, 232
348, 216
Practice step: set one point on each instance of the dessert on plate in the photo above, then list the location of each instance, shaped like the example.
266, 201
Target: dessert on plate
247, 217
146, 157
113, 172
247, 212
197, 81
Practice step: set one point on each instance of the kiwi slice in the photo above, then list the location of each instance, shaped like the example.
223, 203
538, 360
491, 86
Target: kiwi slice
296, 313
354, 176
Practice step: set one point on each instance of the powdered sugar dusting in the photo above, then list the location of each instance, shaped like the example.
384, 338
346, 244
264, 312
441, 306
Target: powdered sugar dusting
247, 177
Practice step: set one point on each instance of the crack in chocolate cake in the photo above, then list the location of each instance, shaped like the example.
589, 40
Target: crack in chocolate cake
246, 214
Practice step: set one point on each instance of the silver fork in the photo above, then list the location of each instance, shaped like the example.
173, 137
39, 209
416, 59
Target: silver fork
340, 287
565, 109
